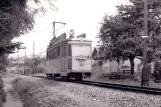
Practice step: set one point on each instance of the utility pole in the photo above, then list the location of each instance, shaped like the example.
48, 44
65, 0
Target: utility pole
54, 30
24, 61
34, 56
54, 35
11, 64
33, 50
18, 63
145, 70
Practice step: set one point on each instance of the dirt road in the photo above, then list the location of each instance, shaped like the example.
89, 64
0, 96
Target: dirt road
12, 99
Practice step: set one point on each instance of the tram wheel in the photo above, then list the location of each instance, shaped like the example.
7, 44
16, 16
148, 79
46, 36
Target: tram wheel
65, 78
47, 75
79, 79
54, 77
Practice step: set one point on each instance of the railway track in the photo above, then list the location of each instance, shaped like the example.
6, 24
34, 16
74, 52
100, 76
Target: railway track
140, 89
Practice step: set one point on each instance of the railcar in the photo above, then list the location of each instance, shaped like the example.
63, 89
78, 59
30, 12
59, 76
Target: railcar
69, 57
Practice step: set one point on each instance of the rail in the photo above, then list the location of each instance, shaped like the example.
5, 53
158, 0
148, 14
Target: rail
122, 87
140, 89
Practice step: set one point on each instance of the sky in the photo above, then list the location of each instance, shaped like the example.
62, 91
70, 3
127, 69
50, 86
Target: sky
83, 16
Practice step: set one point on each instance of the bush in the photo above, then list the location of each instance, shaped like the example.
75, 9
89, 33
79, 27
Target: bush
100, 63
39, 70
116, 75
28, 92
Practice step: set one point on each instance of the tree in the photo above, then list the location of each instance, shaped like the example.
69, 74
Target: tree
16, 19
33, 64
121, 34
3, 62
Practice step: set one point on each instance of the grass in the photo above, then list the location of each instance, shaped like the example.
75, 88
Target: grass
2, 93
119, 78
35, 94
22, 88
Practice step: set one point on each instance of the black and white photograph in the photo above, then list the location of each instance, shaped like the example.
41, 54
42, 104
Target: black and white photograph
80, 53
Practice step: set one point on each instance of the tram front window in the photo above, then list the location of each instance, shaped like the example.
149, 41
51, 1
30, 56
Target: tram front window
81, 50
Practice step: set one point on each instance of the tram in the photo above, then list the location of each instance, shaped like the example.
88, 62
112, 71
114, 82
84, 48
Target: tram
69, 57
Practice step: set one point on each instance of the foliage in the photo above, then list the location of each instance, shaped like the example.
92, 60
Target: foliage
33, 64
16, 19
121, 34
40, 69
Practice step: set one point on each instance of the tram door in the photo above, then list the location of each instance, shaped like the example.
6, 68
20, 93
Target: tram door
62, 57
63, 51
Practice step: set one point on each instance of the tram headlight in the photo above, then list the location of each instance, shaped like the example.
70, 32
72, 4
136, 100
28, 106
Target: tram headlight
81, 64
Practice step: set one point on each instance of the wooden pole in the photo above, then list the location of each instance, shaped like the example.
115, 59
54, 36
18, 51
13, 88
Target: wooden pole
11, 64
18, 63
24, 61
33, 50
54, 29
145, 71
34, 56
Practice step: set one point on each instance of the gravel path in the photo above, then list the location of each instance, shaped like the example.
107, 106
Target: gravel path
90, 96
50, 93
12, 99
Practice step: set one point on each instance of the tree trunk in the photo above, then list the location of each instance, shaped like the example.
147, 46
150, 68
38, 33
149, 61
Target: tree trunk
132, 64
118, 60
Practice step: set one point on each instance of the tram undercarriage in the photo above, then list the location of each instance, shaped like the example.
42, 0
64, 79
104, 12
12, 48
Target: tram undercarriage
72, 75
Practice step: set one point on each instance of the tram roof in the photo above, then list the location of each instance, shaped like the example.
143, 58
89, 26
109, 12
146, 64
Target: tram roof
62, 38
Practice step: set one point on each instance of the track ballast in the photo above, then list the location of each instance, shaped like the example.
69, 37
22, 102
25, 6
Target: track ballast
140, 89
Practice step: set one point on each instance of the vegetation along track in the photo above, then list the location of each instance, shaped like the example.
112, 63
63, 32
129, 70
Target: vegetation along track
141, 89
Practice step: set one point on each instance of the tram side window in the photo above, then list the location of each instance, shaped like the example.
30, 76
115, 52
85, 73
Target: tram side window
62, 50
63, 46
65, 49
51, 53
58, 51
69, 50
55, 52
47, 55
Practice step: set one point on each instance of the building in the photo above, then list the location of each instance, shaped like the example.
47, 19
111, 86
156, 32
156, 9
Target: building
112, 66
16, 66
